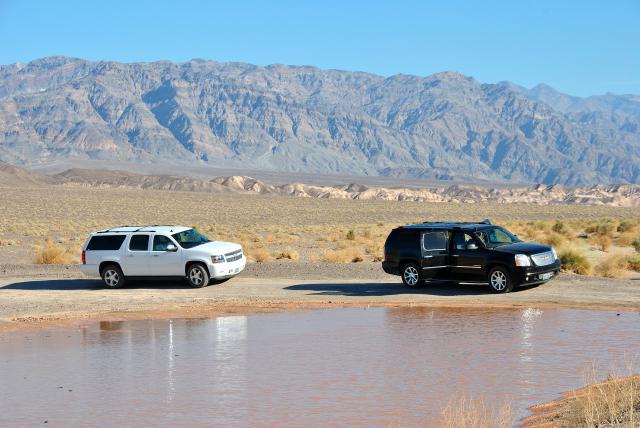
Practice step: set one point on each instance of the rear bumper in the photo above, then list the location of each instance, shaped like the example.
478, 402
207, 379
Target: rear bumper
536, 274
90, 270
227, 270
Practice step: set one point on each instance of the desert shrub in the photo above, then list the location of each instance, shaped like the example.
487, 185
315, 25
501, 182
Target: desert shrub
259, 254
636, 244
8, 242
602, 242
559, 227
605, 228
553, 239
613, 266
575, 261
351, 235
343, 255
625, 226
633, 263
288, 254
463, 412
52, 254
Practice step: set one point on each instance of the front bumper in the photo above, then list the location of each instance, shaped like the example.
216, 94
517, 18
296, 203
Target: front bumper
227, 270
537, 274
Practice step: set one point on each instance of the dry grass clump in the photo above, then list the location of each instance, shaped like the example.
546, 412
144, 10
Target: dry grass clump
343, 255
633, 263
626, 226
288, 254
258, 254
614, 266
602, 242
52, 254
614, 402
573, 260
463, 412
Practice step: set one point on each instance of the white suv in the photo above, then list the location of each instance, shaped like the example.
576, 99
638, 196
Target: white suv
159, 252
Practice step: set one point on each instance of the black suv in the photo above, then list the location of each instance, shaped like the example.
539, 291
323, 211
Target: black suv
474, 253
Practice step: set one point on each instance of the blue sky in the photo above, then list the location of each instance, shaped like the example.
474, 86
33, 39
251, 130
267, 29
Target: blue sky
579, 47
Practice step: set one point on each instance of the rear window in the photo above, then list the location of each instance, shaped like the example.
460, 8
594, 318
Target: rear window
105, 243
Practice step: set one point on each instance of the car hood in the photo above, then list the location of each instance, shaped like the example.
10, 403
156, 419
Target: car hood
523, 248
216, 247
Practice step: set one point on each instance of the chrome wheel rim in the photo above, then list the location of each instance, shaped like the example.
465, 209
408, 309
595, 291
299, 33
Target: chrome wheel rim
195, 276
111, 278
411, 275
498, 280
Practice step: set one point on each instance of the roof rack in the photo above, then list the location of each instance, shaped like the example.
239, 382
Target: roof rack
485, 221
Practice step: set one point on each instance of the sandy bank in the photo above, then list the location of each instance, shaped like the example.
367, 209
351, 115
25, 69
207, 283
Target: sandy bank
33, 297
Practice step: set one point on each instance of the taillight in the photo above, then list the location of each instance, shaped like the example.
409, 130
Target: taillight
84, 258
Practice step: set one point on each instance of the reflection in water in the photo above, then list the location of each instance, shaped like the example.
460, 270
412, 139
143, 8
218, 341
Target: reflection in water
351, 367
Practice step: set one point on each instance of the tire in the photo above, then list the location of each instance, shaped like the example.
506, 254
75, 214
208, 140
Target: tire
500, 280
411, 276
197, 276
218, 281
112, 276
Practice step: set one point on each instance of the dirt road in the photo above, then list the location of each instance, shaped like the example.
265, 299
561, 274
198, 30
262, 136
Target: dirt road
38, 298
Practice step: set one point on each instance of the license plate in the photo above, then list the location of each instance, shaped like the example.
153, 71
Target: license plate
546, 276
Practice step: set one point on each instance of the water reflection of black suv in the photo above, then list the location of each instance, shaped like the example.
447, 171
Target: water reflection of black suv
478, 253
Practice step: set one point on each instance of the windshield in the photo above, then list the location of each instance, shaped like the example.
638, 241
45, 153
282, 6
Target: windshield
496, 236
190, 238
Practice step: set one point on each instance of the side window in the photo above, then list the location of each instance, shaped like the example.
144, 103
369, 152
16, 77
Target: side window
161, 242
435, 241
139, 243
461, 240
105, 243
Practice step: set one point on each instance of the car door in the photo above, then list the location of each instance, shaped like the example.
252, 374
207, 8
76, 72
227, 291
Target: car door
435, 251
137, 255
467, 261
166, 257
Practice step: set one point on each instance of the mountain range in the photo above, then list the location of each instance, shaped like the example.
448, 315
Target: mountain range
446, 126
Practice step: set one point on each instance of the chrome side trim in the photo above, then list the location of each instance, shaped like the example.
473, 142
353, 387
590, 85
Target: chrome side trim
434, 267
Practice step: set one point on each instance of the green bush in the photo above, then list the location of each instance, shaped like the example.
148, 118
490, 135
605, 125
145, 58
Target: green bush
625, 225
636, 244
574, 261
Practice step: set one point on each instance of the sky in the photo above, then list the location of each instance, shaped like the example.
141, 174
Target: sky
579, 47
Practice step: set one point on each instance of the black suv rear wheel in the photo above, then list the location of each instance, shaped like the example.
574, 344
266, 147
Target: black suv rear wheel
411, 276
500, 280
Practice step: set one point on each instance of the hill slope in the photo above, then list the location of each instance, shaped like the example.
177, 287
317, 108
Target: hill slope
444, 126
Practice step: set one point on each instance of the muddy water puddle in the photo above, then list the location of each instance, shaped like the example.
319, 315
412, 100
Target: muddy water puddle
343, 367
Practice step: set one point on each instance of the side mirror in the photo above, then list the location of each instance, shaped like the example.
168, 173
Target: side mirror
172, 248
472, 246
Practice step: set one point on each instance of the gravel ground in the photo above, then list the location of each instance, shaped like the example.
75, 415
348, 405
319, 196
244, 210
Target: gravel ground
33, 296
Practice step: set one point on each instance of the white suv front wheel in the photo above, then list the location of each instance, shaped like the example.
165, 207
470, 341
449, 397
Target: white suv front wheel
197, 276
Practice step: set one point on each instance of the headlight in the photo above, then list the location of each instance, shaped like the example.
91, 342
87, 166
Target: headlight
217, 259
555, 254
523, 260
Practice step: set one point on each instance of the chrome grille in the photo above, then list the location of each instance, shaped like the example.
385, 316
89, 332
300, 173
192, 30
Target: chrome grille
233, 256
543, 259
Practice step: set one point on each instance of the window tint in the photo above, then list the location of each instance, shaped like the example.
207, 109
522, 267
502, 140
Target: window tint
435, 241
105, 243
139, 243
161, 242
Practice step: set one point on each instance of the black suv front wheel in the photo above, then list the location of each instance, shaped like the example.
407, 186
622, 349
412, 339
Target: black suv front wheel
500, 280
411, 276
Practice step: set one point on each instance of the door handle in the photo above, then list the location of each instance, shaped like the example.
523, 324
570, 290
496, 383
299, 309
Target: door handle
427, 257
455, 255
156, 255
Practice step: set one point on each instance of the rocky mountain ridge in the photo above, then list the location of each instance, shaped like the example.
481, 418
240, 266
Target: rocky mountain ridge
303, 119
